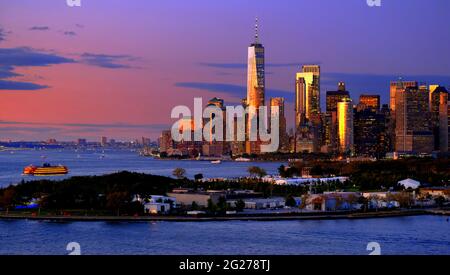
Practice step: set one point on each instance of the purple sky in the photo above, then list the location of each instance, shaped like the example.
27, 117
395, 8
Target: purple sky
117, 68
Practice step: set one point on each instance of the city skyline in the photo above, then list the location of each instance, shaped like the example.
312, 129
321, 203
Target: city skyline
56, 83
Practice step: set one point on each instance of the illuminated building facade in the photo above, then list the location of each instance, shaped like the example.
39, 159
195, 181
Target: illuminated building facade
165, 141
398, 86
412, 121
331, 118
345, 126
371, 102
307, 93
255, 89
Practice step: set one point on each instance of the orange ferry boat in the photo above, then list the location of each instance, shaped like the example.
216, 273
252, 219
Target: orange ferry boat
45, 170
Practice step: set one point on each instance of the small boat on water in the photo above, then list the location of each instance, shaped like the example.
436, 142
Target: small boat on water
45, 170
242, 159
216, 161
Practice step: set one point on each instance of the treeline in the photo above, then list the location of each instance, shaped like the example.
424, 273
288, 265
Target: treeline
267, 189
114, 191
375, 175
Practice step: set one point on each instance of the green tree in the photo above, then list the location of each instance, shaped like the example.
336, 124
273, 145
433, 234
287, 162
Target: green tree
240, 205
117, 200
7, 199
179, 173
222, 205
282, 171
290, 201
256, 171
198, 177
212, 207
194, 206
439, 201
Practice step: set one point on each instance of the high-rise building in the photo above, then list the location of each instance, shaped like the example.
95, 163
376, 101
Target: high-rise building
165, 141
51, 141
188, 147
398, 86
214, 102
439, 117
448, 116
81, 142
395, 87
283, 139
104, 141
345, 126
341, 86
333, 97
255, 89
146, 141
304, 139
370, 133
412, 120
307, 93
238, 147
331, 118
369, 102
387, 135
213, 147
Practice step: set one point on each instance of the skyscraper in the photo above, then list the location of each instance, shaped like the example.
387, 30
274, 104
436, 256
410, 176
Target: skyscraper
255, 88
412, 120
369, 133
307, 93
279, 102
341, 86
165, 141
210, 146
395, 87
104, 141
345, 126
371, 102
331, 118
439, 117
448, 116
304, 140
333, 97
398, 86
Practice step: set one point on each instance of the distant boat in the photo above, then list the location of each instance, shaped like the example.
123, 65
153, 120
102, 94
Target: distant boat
45, 170
216, 161
242, 160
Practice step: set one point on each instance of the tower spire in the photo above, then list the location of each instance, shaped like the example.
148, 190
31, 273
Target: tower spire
256, 31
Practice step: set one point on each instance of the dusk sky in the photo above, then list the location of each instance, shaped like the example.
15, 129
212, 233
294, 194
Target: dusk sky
116, 68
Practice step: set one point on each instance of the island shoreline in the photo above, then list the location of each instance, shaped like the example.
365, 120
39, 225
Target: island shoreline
316, 216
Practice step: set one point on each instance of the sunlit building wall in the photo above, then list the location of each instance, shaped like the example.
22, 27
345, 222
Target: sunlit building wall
307, 93
165, 141
331, 119
369, 102
255, 88
345, 125
399, 86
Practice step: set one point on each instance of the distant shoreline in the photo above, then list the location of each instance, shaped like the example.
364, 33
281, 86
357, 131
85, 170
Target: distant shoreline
305, 216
